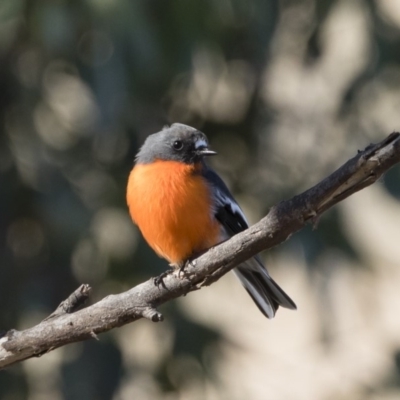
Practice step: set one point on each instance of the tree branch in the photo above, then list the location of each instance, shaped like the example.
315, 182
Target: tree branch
66, 326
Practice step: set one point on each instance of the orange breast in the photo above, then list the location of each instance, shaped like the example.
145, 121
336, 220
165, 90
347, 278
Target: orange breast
170, 203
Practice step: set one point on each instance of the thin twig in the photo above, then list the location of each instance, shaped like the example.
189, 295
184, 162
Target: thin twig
73, 302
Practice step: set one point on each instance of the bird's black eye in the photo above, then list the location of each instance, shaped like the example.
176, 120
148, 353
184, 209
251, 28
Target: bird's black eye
178, 145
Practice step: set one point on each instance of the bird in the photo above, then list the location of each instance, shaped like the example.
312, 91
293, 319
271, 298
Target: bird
183, 207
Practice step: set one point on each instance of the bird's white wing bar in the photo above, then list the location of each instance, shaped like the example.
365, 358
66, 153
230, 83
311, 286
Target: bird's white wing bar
223, 201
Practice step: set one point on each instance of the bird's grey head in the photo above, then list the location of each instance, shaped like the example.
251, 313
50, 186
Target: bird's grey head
178, 142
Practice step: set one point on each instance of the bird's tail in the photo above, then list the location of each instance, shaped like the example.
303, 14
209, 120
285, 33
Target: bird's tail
265, 292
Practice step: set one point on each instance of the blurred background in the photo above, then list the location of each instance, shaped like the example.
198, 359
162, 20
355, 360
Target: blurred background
286, 91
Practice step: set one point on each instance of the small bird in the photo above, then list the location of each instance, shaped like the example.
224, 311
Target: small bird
182, 208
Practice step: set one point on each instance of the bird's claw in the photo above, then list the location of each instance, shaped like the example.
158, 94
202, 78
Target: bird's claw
181, 271
159, 280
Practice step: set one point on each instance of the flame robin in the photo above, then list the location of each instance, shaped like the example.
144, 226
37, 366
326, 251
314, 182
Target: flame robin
182, 207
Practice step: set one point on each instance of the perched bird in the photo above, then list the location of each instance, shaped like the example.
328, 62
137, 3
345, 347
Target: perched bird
182, 207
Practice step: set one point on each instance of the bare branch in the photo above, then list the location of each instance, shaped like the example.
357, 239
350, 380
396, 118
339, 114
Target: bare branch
63, 327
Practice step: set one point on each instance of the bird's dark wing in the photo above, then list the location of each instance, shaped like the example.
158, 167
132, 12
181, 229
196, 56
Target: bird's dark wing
227, 210
264, 291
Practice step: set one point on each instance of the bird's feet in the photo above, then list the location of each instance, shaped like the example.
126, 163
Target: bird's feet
181, 268
159, 280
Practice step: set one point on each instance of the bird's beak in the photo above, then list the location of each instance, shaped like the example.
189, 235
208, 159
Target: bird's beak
206, 152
